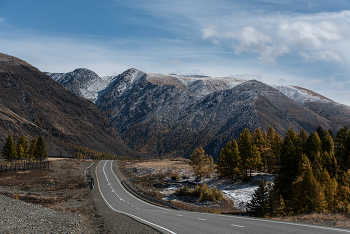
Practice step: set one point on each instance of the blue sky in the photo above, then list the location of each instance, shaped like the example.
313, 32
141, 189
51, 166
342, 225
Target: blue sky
302, 43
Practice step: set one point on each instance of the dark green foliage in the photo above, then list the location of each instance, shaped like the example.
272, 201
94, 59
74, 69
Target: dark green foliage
339, 147
313, 145
229, 162
327, 143
31, 151
259, 205
9, 149
40, 148
320, 132
331, 133
288, 168
23, 142
249, 153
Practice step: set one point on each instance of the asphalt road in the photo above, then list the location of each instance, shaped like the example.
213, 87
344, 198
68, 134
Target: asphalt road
166, 220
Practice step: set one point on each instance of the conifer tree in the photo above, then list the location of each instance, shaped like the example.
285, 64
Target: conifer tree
293, 136
40, 148
320, 132
259, 142
259, 204
276, 146
201, 163
339, 147
9, 149
229, 161
308, 195
331, 133
20, 152
22, 141
31, 151
302, 138
245, 144
316, 166
313, 145
288, 169
327, 143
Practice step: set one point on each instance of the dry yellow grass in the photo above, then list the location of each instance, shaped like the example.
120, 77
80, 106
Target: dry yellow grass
165, 163
328, 219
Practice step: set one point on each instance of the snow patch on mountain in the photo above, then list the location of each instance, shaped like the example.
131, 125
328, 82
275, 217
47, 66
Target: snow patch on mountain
299, 95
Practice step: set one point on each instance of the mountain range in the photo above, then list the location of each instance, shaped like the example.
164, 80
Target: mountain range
170, 115
33, 104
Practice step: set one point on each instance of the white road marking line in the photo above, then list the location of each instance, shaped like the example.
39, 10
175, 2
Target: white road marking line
132, 194
110, 207
237, 226
201, 219
179, 215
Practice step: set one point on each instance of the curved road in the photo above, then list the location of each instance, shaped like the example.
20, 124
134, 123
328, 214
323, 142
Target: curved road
166, 220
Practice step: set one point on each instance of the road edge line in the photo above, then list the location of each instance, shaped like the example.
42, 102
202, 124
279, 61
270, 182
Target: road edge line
122, 212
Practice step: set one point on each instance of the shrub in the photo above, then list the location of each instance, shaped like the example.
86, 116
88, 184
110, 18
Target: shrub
176, 176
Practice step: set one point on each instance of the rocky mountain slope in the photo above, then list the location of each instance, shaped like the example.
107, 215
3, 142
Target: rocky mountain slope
31, 103
171, 115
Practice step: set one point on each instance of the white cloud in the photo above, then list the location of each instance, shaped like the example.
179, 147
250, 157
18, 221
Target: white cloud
327, 55
337, 84
196, 72
2, 20
314, 37
257, 77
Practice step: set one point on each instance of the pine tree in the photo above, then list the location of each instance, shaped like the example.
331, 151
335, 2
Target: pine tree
247, 152
229, 161
20, 152
320, 132
31, 151
276, 146
288, 169
9, 149
327, 143
40, 148
308, 195
339, 147
313, 145
201, 163
259, 142
331, 133
316, 166
22, 141
259, 204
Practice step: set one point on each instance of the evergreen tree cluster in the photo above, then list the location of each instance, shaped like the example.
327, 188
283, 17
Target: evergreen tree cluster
22, 150
312, 174
86, 153
257, 151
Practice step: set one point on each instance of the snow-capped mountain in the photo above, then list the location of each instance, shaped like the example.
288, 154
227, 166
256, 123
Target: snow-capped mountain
83, 82
171, 115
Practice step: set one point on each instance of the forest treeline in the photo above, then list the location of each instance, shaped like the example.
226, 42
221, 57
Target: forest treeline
312, 171
86, 153
23, 150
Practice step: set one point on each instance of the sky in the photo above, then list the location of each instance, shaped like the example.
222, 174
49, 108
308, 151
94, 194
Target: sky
301, 43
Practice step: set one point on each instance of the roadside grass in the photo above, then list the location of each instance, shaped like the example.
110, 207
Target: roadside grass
327, 219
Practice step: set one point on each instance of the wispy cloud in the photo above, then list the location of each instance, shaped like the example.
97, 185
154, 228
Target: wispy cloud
248, 76
2, 20
337, 84
312, 36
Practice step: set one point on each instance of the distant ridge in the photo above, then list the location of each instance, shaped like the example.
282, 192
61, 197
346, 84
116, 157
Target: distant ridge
33, 104
170, 115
